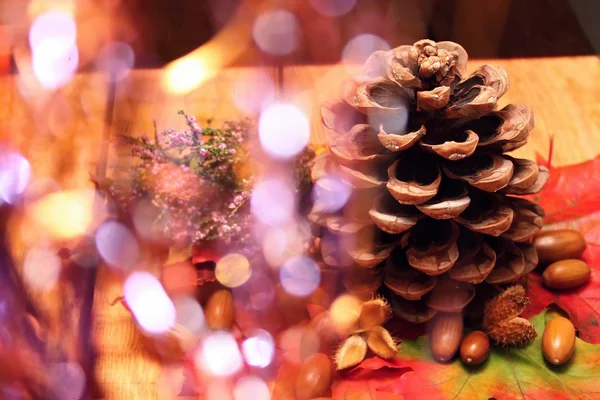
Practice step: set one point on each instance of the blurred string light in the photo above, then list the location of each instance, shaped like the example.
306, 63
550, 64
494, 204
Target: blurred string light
187, 73
330, 193
253, 91
284, 130
116, 245
272, 202
41, 268
149, 303
15, 173
251, 388
276, 32
67, 214
219, 355
116, 60
259, 349
333, 8
68, 380
300, 276
359, 48
233, 270
55, 57
189, 314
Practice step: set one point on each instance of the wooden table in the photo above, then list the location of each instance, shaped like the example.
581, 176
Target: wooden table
60, 135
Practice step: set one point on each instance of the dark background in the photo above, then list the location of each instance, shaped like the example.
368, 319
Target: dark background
168, 29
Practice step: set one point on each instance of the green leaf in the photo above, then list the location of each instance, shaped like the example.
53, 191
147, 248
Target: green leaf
506, 374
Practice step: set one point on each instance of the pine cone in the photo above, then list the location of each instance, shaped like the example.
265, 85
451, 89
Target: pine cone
431, 214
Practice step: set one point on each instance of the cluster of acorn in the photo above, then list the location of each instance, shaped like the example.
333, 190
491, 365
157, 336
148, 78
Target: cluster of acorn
559, 252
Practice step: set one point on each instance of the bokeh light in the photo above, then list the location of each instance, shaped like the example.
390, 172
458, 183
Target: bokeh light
282, 242
185, 75
67, 214
252, 91
15, 173
359, 48
284, 130
41, 268
116, 245
68, 380
149, 303
272, 202
116, 60
258, 292
233, 270
300, 276
259, 349
55, 57
330, 193
189, 314
145, 215
219, 355
276, 32
251, 388
294, 346
333, 8
344, 312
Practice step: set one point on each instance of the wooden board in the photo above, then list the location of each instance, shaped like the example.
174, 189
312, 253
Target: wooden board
60, 135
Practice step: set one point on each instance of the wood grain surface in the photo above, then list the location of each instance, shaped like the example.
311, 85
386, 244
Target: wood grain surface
60, 135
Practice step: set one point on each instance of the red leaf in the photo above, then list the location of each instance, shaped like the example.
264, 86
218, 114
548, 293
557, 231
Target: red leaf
572, 191
370, 380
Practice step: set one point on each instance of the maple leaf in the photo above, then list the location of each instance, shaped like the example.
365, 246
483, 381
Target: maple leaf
369, 380
507, 374
572, 191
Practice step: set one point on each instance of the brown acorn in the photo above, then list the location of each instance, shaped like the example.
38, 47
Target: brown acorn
566, 274
314, 378
558, 245
558, 341
446, 335
219, 311
475, 348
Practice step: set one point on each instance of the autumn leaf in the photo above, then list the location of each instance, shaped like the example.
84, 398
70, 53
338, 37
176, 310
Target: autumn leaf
370, 380
572, 191
507, 374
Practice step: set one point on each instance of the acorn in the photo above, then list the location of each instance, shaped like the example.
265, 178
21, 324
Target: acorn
558, 245
314, 378
219, 311
475, 348
446, 335
566, 274
558, 341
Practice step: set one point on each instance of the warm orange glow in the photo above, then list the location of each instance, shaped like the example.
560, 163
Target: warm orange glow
37, 7
187, 73
66, 215
233, 270
344, 312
